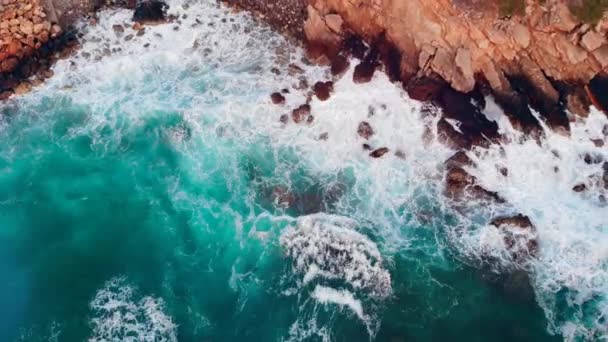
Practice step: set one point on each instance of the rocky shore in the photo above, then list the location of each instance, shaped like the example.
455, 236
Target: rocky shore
448, 53
28, 40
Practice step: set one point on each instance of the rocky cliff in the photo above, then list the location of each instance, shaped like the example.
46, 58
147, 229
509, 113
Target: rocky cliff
466, 42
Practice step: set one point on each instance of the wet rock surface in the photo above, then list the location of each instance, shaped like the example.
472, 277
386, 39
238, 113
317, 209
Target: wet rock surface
519, 236
277, 98
150, 11
460, 185
379, 153
323, 90
301, 113
365, 130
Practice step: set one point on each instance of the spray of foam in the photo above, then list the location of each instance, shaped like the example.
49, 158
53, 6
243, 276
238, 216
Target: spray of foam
328, 247
570, 272
343, 298
118, 315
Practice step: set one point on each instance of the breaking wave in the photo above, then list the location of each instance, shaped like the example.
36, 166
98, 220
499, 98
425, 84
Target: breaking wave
118, 315
328, 247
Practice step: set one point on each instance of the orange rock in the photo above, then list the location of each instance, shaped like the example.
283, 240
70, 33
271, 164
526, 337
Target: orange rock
14, 47
467, 41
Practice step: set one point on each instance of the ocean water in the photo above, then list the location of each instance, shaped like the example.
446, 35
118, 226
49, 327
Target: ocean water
149, 192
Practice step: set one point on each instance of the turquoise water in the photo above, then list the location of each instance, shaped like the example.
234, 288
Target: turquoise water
173, 217
138, 201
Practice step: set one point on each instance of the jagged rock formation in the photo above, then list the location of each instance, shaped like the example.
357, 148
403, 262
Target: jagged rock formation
545, 50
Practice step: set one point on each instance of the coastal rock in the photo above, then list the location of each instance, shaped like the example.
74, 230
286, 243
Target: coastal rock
323, 43
579, 188
277, 98
339, 65
519, 236
379, 153
598, 92
301, 113
323, 90
23, 88
466, 46
365, 130
459, 184
150, 12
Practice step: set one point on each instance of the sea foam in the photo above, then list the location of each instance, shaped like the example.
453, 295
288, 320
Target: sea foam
328, 247
119, 316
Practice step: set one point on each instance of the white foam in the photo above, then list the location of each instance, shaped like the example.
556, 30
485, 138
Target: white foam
344, 298
571, 269
327, 247
119, 316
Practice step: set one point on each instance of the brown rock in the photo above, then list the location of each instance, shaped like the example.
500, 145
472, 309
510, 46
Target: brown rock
151, 11
282, 197
597, 89
459, 159
521, 245
365, 130
301, 113
378, 153
339, 65
9, 64
425, 88
322, 42
55, 31
294, 69
467, 43
277, 98
449, 136
592, 40
26, 27
23, 88
364, 72
13, 48
323, 90
5, 95
118, 28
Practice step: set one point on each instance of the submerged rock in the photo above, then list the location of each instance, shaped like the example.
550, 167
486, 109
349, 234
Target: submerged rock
519, 236
365, 130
